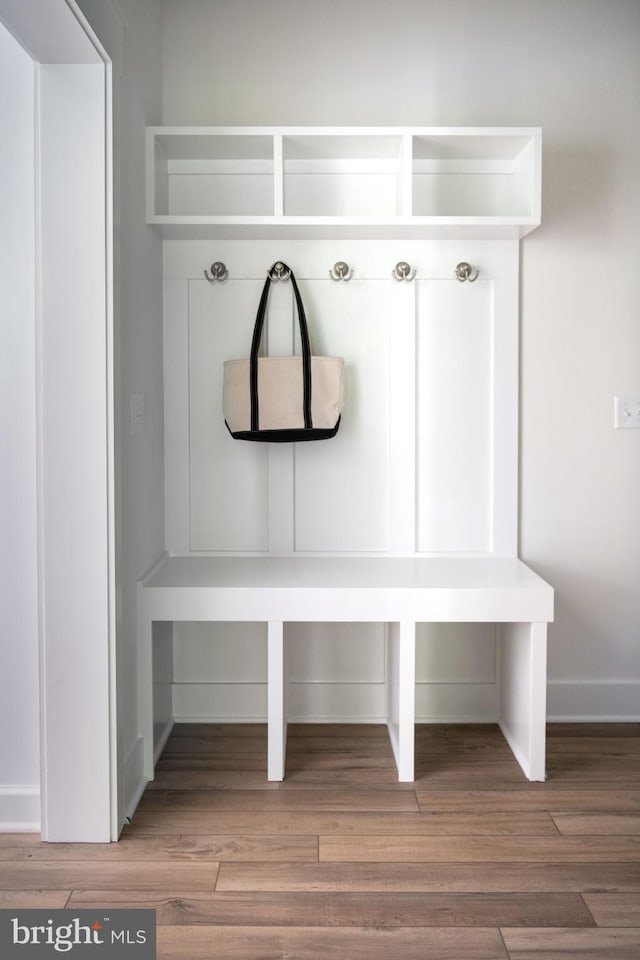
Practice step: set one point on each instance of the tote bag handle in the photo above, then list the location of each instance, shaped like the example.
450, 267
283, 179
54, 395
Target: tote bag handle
255, 348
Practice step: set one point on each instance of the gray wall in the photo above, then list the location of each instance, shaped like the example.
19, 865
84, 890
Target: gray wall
572, 68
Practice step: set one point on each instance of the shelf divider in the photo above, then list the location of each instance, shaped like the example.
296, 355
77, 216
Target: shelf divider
278, 176
407, 175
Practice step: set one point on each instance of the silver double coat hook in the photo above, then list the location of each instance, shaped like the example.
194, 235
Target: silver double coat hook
217, 273
341, 271
464, 271
403, 271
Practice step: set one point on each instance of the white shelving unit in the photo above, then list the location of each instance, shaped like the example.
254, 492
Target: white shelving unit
238, 182
376, 576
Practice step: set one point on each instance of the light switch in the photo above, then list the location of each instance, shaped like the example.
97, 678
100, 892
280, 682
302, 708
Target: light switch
626, 413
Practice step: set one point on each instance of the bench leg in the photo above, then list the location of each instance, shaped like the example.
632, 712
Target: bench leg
524, 694
276, 720
400, 682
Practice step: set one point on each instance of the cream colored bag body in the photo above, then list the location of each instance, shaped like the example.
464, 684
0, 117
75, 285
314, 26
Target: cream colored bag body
283, 399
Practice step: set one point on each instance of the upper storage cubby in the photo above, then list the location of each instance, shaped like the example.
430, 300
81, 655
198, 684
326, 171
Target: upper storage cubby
343, 175
359, 181
477, 174
203, 173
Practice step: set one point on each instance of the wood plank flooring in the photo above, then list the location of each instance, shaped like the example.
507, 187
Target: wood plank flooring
471, 862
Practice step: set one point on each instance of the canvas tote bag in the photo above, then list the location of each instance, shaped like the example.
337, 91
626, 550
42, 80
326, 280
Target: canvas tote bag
283, 399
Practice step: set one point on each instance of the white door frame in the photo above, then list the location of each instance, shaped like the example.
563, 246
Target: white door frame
75, 377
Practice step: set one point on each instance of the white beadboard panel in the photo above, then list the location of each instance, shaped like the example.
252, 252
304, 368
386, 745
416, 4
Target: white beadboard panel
456, 653
455, 412
336, 702
220, 702
402, 419
381, 485
220, 652
505, 271
335, 652
278, 339
176, 414
228, 478
342, 485
457, 702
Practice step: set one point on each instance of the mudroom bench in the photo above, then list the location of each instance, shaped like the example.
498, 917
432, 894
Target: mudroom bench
399, 592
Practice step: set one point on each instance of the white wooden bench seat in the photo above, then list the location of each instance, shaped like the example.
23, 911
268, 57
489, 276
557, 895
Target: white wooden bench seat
399, 592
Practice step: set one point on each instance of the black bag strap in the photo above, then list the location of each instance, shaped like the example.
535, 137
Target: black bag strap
276, 272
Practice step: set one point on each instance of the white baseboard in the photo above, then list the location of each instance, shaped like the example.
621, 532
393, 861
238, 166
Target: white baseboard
584, 702
222, 702
160, 738
20, 808
435, 702
457, 702
333, 703
135, 781
219, 718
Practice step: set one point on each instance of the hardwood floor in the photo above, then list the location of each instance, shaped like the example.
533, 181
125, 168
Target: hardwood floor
470, 862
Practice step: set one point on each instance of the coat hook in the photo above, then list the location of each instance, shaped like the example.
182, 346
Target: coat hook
403, 271
279, 271
464, 271
219, 272
341, 271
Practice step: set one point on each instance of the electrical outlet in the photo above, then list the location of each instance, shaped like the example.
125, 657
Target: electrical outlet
626, 413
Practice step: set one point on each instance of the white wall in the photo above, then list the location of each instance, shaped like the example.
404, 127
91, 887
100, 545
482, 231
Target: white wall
574, 69
19, 744
139, 351
138, 336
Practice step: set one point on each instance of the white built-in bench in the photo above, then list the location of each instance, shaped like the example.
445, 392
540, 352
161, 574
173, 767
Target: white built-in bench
399, 592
